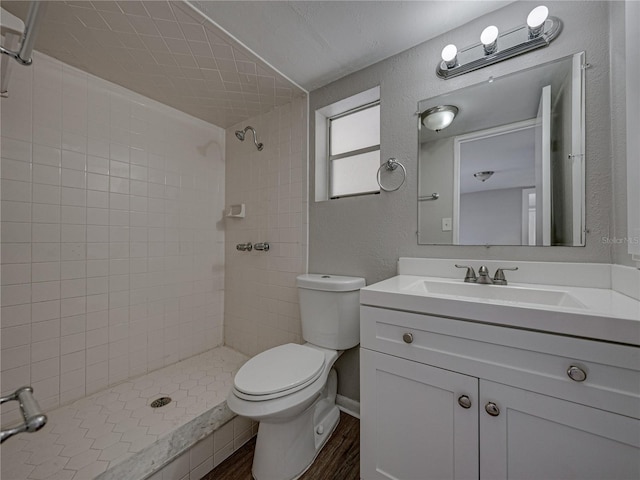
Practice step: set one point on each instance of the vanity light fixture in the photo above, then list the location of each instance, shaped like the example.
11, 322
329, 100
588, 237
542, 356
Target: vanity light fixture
539, 31
437, 118
450, 55
484, 176
536, 19
489, 39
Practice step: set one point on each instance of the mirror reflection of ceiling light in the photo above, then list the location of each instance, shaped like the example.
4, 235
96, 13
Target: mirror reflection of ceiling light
484, 176
539, 31
437, 118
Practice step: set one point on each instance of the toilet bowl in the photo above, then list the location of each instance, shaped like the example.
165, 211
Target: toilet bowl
291, 389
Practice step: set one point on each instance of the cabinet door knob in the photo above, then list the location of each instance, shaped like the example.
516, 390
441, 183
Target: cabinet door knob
407, 337
492, 409
576, 374
464, 401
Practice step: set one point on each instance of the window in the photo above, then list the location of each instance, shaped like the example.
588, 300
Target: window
345, 161
354, 151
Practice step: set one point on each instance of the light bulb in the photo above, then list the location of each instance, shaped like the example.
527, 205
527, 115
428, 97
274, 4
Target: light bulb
536, 19
449, 55
489, 39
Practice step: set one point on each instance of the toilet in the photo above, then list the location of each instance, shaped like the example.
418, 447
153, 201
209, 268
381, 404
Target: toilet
291, 389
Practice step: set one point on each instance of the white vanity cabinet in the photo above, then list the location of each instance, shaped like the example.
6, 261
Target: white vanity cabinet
453, 399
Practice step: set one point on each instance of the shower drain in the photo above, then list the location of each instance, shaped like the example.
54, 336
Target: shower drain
160, 402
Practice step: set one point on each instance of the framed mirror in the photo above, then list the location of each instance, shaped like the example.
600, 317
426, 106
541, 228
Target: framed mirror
502, 162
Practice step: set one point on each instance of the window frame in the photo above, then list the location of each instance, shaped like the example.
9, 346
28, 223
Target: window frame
350, 153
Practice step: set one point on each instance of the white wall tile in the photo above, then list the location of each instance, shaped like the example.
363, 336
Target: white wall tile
73, 233
73, 196
97, 182
15, 191
15, 211
88, 219
16, 336
16, 315
16, 170
15, 149
46, 232
16, 294
41, 311
45, 252
49, 194
45, 213
15, 274
46, 174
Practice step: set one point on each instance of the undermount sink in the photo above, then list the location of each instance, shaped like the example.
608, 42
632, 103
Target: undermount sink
503, 293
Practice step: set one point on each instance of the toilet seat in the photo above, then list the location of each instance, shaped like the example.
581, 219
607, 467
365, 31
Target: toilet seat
278, 371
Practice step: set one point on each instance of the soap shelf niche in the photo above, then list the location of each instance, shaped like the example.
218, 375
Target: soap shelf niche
235, 211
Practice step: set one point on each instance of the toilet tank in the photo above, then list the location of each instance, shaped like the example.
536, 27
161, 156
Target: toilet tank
330, 310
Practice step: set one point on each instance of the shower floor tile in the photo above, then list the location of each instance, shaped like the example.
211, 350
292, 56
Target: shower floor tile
116, 434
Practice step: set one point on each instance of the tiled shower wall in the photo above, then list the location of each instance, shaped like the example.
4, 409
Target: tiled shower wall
261, 301
112, 246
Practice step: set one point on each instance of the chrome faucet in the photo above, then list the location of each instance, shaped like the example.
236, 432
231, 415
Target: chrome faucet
470, 276
499, 278
483, 276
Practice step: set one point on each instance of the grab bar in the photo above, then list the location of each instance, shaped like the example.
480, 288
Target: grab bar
425, 198
23, 56
34, 419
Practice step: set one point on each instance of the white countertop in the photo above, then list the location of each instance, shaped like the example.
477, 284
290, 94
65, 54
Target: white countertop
607, 314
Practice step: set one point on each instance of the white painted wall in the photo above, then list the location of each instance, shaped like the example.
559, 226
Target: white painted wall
112, 262
436, 176
493, 216
365, 235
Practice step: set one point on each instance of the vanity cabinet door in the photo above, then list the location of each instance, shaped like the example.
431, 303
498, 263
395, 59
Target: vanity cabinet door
413, 426
532, 436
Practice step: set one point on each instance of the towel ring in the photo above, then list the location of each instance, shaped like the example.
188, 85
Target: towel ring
390, 165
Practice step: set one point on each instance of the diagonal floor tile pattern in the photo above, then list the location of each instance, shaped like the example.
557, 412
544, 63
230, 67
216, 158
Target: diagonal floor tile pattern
98, 433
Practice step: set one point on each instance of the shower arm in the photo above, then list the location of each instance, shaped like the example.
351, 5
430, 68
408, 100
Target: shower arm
258, 145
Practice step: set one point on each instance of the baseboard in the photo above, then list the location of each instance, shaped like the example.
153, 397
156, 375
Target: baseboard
348, 406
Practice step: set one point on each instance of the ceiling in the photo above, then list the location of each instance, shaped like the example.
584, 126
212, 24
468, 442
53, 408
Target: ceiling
317, 42
225, 62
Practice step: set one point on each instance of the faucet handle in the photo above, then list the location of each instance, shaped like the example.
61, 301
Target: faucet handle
470, 276
499, 278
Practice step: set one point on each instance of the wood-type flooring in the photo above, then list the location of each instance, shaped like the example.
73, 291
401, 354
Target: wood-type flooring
338, 460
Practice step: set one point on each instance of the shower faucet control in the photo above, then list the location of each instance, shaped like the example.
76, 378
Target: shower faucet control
264, 247
244, 247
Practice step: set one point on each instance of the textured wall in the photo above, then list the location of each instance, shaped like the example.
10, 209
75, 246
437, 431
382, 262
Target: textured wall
261, 300
365, 235
112, 264
618, 133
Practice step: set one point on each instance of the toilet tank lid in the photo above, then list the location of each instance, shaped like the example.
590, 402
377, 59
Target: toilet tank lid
330, 283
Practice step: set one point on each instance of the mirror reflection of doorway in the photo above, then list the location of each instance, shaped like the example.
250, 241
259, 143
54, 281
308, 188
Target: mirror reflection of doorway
490, 209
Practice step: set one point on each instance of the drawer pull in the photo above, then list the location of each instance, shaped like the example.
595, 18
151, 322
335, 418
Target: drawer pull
492, 409
464, 401
407, 337
576, 374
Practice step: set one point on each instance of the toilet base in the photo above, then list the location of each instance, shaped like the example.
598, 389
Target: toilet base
285, 450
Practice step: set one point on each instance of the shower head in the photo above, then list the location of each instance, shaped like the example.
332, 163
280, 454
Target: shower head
241, 133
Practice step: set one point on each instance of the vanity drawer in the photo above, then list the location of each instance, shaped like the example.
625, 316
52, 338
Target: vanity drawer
526, 359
